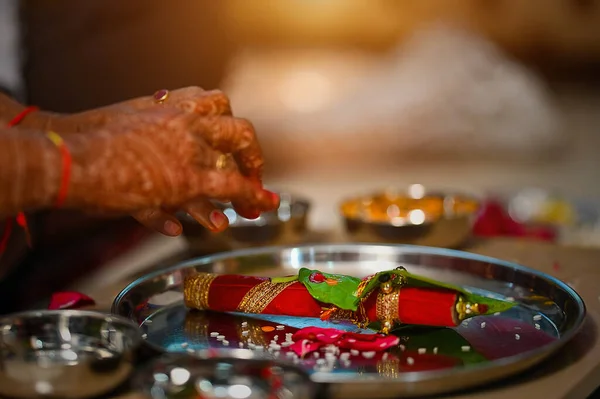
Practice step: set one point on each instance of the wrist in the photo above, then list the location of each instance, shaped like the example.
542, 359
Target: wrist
90, 185
64, 123
84, 122
53, 172
81, 176
41, 120
48, 171
29, 171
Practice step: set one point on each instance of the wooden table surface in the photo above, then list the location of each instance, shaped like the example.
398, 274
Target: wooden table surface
572, 373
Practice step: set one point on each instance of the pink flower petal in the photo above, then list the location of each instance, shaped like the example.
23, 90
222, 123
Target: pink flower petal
362, 337
69, 300
305, 346
381, 344
311, 339
324, 335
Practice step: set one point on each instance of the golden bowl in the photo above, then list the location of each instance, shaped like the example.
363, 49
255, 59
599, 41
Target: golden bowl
412, 217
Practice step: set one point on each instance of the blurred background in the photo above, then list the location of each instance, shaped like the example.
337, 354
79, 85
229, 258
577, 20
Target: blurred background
498, 98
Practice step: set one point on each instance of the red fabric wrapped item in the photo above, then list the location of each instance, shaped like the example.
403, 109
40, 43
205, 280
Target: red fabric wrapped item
69, 300
259, 295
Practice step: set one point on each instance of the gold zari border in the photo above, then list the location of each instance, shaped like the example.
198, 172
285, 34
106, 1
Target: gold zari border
196, 289
260, 296
387, 306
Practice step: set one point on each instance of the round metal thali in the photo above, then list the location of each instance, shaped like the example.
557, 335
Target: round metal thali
430, 360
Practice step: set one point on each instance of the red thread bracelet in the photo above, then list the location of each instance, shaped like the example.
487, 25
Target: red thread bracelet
21, 219
8, 226
67, 161
21, 115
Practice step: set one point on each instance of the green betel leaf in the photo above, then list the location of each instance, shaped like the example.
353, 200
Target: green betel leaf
284, 279
334, 289
493, 305
448, 341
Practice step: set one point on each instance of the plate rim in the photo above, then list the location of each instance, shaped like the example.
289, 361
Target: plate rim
531, 357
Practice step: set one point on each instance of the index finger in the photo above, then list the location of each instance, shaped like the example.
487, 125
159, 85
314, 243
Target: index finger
231, 185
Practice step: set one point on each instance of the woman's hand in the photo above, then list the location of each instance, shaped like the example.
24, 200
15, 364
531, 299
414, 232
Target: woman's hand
189, 99
192, 100
147, 162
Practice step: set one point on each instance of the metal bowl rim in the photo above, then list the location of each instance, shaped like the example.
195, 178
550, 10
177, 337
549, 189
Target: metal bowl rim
269, 222
221, 355
232, 354
539, 353
433, 193
33, 314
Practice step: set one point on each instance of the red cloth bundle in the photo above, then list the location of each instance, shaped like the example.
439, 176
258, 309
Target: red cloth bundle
259, 295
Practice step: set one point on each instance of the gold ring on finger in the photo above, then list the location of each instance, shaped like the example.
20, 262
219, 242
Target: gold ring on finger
222, 161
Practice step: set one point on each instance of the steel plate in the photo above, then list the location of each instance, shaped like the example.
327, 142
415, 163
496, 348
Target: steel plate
480, 350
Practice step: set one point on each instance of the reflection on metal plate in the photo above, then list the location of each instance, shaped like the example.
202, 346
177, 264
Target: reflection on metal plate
428, 361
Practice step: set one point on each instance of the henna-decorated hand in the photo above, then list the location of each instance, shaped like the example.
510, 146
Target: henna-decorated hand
162, 158
188, 99
193, 100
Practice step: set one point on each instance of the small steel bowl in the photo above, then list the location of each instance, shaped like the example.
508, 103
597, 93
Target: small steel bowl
227, 374
412, 217
65, 353
284, 225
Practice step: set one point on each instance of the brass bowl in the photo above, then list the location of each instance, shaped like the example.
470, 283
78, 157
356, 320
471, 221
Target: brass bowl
286, 225
414, 217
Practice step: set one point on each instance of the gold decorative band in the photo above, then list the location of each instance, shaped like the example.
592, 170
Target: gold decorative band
342, 314
389, 368
387, 306
252, 333
260, 296
358, 317
464, 309
196, 289
362, 285
196, 325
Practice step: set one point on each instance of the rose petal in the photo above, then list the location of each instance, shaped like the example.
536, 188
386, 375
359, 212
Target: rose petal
362, 337
69, 300
324, 335
382, 343
305, 346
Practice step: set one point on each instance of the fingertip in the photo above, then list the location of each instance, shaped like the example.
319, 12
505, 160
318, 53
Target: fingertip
206, 214
274, 197
172, 228
219, 221
250, 214
268, 200
159, 221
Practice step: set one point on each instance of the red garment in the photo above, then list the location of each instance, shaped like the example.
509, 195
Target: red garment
419, 306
